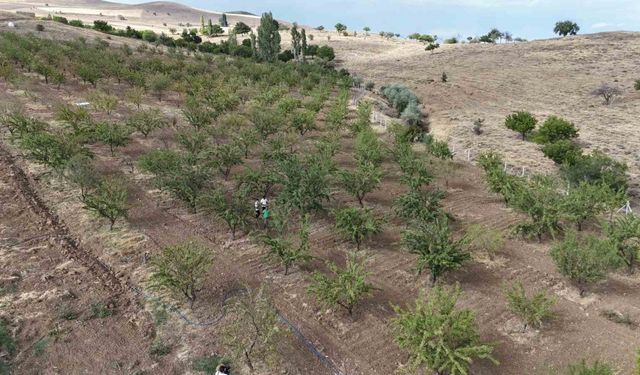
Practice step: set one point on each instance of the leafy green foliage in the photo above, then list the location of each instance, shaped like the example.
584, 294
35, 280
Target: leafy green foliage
595, 168
541, 200
584, 262
285, 251
419, 206
435, 247
146, 121
521, 122
7, 345
268, 38
356, 224
326, 53
586, 201
556, 129
562, 151
51, 149
113, 134
534, 310
232, 208
305, 181
361, 181
439, 337
625, 232
109, 200
303, 121
346, 288
80, 171
582, 368
181, 269
400, 96
564, 28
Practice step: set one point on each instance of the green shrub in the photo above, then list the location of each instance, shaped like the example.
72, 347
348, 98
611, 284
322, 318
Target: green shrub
400, 96
208, 364
159, 348
60, 19
534, 310
521, 122
561, 151
594, 168
99, 310
356, 224
113, 134
76, 23
636, 85
556, 129
582, 368
584, 262
326, 53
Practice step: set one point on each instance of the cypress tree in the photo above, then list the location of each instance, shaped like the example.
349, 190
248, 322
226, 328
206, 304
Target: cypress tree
268, 38
295, 42
254, 46
223, 20
303, 35
202, 29
210, 27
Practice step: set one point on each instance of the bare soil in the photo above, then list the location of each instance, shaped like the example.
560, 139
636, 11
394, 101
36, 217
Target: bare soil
362, 345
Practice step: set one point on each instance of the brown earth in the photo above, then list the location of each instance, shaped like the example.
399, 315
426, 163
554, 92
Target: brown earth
359, 346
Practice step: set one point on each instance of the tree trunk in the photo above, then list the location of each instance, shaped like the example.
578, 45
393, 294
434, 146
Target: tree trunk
433, 279
248, 362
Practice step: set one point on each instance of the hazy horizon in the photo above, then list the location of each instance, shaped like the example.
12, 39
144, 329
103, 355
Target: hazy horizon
531, 19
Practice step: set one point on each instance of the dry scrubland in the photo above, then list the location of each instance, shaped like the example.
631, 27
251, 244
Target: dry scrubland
546, 77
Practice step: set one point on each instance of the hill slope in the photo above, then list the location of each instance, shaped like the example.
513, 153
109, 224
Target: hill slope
546, 77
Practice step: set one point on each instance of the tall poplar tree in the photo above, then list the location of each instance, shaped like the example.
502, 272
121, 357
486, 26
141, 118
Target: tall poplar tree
268, 38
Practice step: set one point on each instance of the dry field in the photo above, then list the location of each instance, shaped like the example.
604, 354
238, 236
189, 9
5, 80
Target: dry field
547, 77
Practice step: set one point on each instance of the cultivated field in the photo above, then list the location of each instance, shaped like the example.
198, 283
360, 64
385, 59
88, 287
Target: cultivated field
75, 262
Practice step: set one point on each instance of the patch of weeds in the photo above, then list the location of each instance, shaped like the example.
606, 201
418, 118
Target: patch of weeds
207, 364
159, 314
40, 346
8, 288
67, 312
7, 345
159, 348
619, 318
100, 310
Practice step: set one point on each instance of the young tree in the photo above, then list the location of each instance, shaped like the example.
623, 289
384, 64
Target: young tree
534, 310
366, 30
181, 269
584, 262
625, 232
326, 53
113, 134
215, 30
586, 201
564, 28
356, 224
146, 121
419, 206
346, 288
51, 149
254, 331
435, 248
233, 208
80, 171
159, 83
197, 114
562, 151
135, 95
104, 102
361, 181
288, 253
432, 47
541, 200
268, 38
439, 337
305, 182
521, 122
368, 149
596, 168
303, 120
109, 200
226, 156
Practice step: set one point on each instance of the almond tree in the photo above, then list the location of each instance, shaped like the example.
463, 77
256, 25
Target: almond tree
361, 181
534, 310
181, 269
231, 208
146, 121
109, 200
439, 337
285, 251
346, 288
356, 224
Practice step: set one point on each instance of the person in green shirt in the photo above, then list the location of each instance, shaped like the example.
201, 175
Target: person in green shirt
265, 216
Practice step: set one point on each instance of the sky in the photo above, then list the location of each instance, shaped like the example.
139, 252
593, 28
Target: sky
530, 19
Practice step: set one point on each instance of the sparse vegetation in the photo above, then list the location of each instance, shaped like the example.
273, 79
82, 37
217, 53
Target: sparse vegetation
109, 200
534, 310
521, 122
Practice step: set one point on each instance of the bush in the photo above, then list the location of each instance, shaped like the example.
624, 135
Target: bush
625, 232
326, 53
52, 150
556, 129
76, 23
102, 26
60, 19
562, 151
146, 121
582, 368
483, 238
439, 337
113, 134
521, 122
370, 85
564, 28
285, 56
539, 198
636, 85
584, 262
109, 200
594, 168
399, 96
531, 310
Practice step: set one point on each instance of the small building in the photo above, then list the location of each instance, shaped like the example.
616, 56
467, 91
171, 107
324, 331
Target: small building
11, 24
